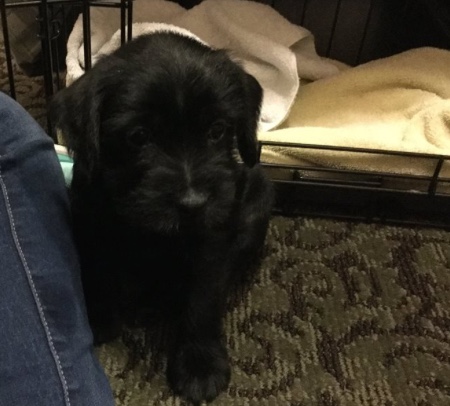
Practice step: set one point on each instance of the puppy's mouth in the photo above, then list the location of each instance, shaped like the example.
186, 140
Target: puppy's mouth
172, 218
191, 218
170, 207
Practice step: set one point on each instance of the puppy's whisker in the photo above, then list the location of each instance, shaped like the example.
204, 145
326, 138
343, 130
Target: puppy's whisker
187, 170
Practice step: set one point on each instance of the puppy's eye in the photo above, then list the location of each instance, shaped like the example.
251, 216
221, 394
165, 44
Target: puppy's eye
138, 137
217, 131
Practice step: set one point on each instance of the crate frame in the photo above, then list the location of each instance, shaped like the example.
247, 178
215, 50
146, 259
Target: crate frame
305, 189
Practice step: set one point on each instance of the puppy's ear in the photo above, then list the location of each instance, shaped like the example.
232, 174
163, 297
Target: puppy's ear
75, 111
246, 135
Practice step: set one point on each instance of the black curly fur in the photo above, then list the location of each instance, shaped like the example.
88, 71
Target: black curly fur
164, 215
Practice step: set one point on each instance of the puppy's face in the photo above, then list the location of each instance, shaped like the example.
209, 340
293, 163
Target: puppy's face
156, 124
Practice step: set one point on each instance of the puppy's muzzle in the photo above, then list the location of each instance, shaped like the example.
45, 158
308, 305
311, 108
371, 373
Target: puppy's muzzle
193, 199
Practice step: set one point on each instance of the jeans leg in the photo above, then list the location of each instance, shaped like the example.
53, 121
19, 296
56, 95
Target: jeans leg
46, 351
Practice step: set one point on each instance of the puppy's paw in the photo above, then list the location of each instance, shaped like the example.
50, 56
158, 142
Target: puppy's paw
199, 372
106, 330
105, 334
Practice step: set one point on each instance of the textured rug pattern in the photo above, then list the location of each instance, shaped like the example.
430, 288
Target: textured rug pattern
29, 91
340, 314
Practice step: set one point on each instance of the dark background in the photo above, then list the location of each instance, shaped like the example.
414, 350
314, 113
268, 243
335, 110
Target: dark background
355, 31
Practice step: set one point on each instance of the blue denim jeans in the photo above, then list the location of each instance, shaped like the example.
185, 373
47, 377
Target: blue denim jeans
46, 351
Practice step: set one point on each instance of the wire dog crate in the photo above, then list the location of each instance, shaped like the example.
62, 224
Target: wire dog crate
353, 32
53, 30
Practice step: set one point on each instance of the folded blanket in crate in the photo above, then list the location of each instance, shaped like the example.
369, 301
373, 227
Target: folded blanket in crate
275, 51
400, 103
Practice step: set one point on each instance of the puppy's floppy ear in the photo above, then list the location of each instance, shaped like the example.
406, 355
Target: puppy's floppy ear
75, 111
246, 134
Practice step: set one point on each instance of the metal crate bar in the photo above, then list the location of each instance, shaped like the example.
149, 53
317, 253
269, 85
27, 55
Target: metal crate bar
356, 172
4, 19
50, 29
354, 149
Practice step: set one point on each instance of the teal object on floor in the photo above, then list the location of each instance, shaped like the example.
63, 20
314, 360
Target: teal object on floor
66, 163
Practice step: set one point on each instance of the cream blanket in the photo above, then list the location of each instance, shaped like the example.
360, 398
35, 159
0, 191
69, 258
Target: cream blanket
401, 103
269, 47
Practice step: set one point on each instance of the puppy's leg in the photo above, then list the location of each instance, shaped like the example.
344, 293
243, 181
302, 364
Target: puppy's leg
101, 294
99, 267
198, 367
255, 208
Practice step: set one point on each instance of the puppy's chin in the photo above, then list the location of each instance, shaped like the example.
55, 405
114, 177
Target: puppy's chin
173, 220
145, 220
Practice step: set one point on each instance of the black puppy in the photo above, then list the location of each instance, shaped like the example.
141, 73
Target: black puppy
163, 212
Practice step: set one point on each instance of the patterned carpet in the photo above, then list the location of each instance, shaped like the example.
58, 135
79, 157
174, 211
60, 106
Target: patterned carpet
29, 91
341, 314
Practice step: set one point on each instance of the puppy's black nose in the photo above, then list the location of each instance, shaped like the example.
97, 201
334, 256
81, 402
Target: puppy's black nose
193, 199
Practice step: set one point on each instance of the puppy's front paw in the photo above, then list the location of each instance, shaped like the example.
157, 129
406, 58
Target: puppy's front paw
104, 329
199, 372
105, 333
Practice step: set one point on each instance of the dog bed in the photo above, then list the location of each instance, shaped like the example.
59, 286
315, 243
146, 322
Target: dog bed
400, 103
277, 52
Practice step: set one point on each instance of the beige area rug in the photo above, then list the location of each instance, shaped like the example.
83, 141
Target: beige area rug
340, 314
